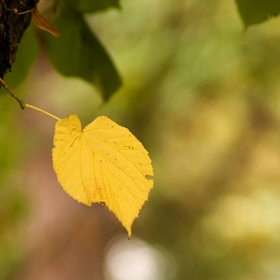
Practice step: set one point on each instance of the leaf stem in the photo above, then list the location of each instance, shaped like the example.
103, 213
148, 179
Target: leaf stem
42, 111
22, 104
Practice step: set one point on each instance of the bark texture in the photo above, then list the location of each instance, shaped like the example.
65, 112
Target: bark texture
12, 27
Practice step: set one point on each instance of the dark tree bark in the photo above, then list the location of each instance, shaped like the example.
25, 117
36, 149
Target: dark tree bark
12, 26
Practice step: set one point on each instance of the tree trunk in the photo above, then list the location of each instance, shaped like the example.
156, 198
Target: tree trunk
12, 26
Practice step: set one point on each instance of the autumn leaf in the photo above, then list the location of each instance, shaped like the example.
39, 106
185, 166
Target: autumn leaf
43, 23
103, 163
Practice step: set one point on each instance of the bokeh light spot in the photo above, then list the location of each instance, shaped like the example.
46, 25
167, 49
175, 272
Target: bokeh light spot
136, 260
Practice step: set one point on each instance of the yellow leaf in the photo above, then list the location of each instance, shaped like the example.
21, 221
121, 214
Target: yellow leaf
103, 163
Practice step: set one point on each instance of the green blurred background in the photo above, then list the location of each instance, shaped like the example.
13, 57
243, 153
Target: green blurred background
203, 96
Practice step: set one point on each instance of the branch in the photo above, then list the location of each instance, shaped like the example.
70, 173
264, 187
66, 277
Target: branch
24, 105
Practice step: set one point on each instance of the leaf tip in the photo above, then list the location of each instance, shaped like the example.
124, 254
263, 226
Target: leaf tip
128, 233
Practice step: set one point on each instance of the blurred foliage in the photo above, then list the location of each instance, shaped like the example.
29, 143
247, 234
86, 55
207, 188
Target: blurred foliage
78, 52
87, 6
82, 55
253, 11
12, 204
203, 97
26, 56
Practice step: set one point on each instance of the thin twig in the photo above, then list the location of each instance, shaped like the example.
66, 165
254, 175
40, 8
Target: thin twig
9, 90
22, 104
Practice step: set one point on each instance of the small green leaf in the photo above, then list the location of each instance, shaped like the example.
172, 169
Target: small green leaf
257, 11
28, 50
88, 6
77, 52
